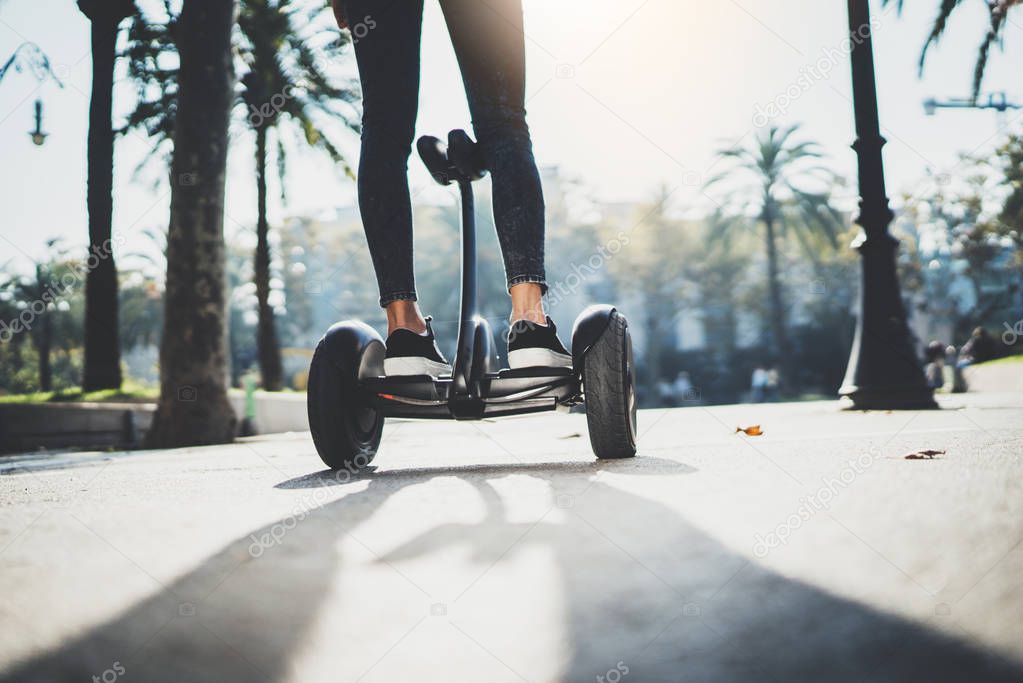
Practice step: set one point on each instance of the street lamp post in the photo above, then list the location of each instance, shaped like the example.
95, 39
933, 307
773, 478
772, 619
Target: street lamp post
28, 57
884, 371
997, 101
37, 134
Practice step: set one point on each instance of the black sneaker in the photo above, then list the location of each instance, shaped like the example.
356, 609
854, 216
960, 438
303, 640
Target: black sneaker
531, 345
409, 353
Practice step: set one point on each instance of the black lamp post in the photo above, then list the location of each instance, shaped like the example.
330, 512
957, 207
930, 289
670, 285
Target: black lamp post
28, 57
884, 370
37, 135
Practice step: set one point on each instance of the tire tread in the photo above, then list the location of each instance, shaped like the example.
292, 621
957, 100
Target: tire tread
604, 388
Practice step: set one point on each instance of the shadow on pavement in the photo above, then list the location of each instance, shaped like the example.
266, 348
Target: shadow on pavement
641, 586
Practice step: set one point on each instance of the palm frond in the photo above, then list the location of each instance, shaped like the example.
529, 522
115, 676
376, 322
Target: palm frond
998, 11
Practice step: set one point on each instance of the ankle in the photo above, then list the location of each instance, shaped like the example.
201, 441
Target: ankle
405, 314
527, 303
532, 315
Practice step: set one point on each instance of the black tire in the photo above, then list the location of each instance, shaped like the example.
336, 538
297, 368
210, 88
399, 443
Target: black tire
609, 388
345, 427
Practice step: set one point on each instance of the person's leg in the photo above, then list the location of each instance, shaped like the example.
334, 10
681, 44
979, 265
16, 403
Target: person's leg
490, 47
388, 60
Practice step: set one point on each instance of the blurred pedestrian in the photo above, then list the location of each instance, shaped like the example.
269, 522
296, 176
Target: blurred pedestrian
683, 388
934, 370
771, 383
980, 347
758, 383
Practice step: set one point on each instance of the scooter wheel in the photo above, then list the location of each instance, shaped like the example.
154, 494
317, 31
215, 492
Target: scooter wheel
345, 427
609, 381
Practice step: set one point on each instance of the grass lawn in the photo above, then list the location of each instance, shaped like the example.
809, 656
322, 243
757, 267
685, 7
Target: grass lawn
1005, 361
128, 393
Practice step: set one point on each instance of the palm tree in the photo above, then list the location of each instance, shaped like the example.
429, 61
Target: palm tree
998, 11
102, 351
282, 52
36, 300
647, 267
193, 407
771, 174
285, 81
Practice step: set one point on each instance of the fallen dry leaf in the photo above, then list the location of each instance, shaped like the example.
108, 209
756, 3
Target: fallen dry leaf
928, 454
752, 430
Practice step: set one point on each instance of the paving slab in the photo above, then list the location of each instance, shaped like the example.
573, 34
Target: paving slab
502, 551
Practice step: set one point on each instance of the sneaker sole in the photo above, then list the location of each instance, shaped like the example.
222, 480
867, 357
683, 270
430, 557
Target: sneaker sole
415, 365
538, 358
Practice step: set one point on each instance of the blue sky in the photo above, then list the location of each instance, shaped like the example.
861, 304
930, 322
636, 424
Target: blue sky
624, 95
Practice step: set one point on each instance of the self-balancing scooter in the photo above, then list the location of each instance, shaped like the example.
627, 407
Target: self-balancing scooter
349, 396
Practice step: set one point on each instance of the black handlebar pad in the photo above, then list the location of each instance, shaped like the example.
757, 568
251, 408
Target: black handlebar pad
466, 155
434, 154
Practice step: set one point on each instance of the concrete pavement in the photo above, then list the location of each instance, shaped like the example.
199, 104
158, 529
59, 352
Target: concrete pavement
501, 551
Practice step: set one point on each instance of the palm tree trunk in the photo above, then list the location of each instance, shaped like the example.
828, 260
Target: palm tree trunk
45, 345
102, 349
194, 407
266, 336
779, 343
653, 354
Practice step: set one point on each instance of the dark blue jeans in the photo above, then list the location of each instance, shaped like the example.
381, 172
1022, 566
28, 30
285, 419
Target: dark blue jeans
489, 44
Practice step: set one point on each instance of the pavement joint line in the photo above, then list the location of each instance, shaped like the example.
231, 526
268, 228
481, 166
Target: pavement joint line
502, 555
122, 554
388, 650
618, 27
487, 650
